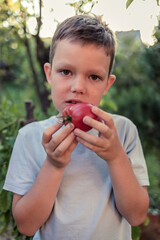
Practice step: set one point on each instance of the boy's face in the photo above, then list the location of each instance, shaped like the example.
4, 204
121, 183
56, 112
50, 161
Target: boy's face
79, 73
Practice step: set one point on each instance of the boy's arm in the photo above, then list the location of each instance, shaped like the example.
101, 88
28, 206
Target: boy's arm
33, 209
131, 199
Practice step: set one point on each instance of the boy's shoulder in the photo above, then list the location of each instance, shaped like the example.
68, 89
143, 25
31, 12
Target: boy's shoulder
121, 119
37, 126
126, 129
123, 124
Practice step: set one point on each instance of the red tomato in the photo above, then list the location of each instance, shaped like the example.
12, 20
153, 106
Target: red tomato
76, 112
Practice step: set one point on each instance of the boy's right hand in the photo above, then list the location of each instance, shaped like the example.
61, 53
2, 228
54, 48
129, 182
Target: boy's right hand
60, 146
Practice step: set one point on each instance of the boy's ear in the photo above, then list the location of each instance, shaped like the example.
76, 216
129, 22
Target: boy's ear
110, 81
48, 70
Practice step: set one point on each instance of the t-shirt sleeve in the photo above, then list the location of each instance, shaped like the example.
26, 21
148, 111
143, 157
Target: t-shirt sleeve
133, 148
25, 162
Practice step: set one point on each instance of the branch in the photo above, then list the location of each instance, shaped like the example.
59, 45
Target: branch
39, 19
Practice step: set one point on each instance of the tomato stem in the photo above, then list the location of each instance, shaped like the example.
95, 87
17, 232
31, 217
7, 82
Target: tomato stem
67, 119
64, 119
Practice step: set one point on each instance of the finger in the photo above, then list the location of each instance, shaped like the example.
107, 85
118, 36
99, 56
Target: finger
73, 145
60, 136
102, 128
88, 145
47, 135
106, 117
67, 145
88, 138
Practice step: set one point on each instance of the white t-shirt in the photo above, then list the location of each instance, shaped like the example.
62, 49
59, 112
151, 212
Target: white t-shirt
84, 208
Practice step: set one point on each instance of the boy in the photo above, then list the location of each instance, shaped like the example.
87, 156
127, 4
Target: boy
79, 185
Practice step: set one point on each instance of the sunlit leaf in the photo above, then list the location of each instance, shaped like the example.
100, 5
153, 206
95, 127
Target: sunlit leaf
146, 222
128, 3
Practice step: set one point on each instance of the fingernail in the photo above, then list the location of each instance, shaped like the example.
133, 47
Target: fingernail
76, 131
70, 125
86, 119
94, 109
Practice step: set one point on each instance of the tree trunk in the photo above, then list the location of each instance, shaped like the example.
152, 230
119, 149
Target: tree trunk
42, 95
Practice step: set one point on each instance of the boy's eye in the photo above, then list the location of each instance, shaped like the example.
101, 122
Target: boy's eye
95, 77
66, 72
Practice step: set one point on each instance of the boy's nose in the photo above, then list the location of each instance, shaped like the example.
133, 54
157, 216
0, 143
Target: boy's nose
78, 85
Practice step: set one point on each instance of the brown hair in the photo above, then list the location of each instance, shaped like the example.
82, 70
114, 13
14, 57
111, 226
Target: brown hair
86, 29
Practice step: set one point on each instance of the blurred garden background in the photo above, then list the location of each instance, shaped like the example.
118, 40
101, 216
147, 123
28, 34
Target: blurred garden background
135, 94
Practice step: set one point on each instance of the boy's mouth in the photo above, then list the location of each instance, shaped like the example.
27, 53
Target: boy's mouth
73, 101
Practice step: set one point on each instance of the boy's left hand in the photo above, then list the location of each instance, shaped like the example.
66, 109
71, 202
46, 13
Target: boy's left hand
107, 145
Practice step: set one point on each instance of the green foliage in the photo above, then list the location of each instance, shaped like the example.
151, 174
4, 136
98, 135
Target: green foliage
108, 104
21, 49
137, 97
10, 119
8, 131
136, 233
136, 93
153, 164
83, 6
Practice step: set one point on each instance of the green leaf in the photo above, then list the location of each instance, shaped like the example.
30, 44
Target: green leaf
146, 222
128, 3
157, 2
136, 233
5, 221
5, 201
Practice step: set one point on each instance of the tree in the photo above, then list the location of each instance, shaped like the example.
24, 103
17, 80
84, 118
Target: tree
14, 15
137, 87
152, 57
